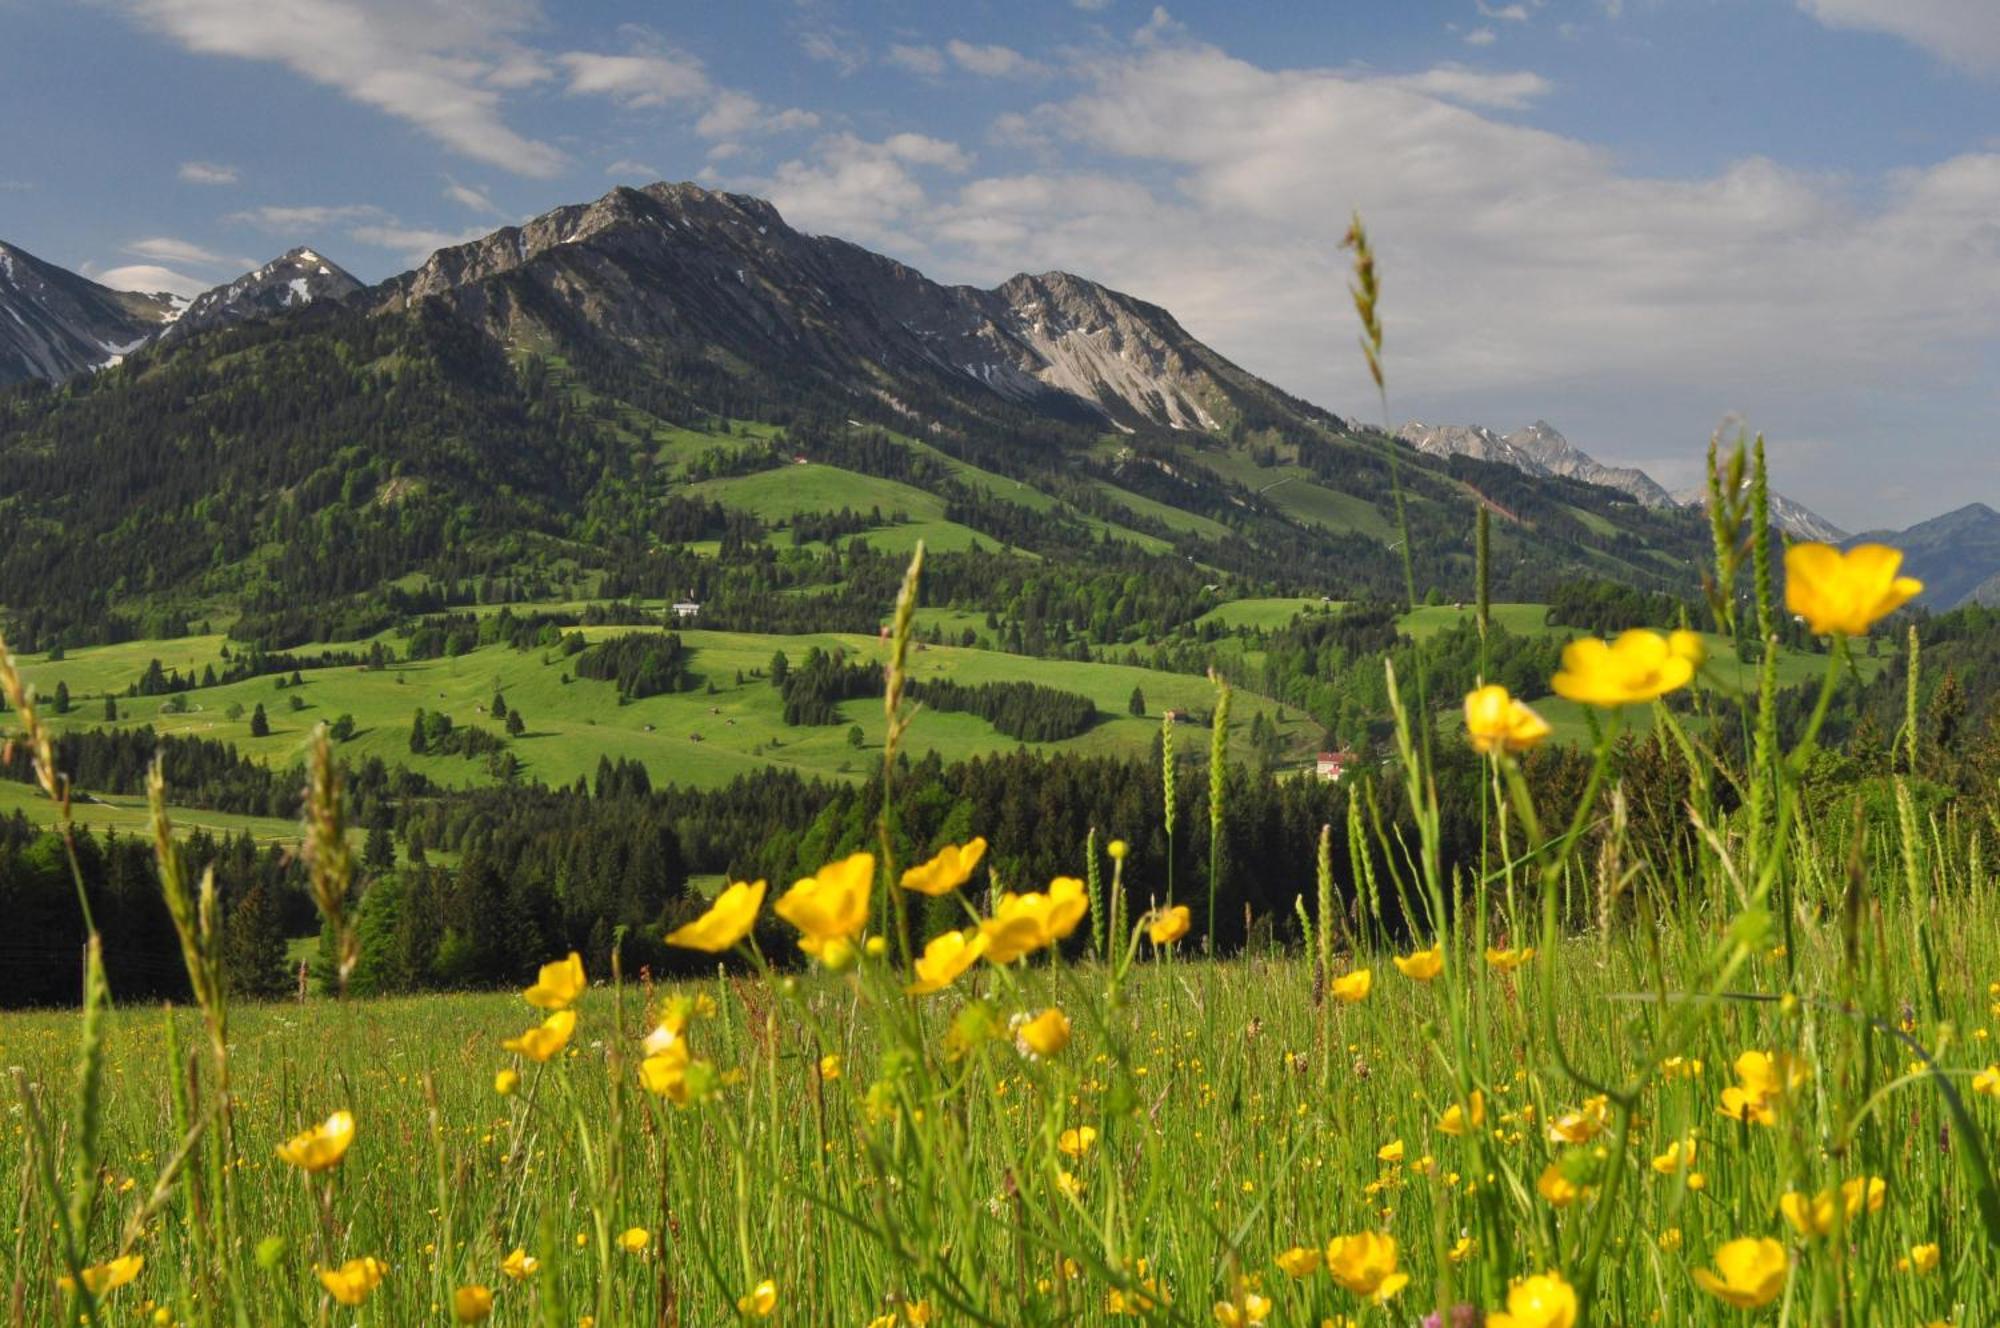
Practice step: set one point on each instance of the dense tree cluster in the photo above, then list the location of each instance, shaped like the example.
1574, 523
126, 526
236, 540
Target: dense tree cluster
641, 663
1024, 710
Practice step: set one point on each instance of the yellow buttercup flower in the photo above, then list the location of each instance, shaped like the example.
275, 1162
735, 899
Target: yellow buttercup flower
1168, 925
558, 985
1023, 924
1246, 1311
1354, 987
471, 1304
1559, 1190
830, 907
321, 1147
1393, 1151
759, 1301
538, 1044
829, 1066
1679, 1156
520, 1265
1457, 1119
727, 921
1542, 1301
1763, 1081
1044, 1035
634, 1240
1506, 961
1366, 1265
1810, 1215
1748, 1272
1638, 666
351, 1283
1858, 1195
1075, 1142
507, 1082
1299, 1261
664, 1072
1987, 1081
951, 868
1924, 1258
1844, 594
1422, 965
1582, 1125
1496, 722
944, 960
99, 1278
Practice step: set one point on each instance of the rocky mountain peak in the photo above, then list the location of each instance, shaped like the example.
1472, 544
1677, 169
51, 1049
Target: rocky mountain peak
296, 278
55, 324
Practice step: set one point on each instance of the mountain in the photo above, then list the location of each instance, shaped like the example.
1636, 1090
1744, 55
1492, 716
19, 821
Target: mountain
291, 281
1956, 556
1558, 456
1538, 450
55, 324
723, 270
671, 392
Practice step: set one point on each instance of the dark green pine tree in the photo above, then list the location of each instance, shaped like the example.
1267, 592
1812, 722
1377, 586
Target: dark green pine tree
254, 962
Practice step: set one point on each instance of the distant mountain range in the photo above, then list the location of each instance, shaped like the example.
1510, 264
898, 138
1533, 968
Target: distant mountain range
533, 402
1540, 450
1956, 556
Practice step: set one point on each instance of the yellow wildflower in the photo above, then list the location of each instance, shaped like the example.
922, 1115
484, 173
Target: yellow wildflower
1506, 961
1496, 722
1045, 1034
471, 1304
1365, 1265
951, 868
351, 1283
1423, 965
944, 959
727, 921
1457, 1117
1748, 1272
1354, 987
1542, 1301
1168, 924
520, 1265
831, 907
1299, 1261
1638, 666
1844, 594
634, 1240
759, 1301
322, 1146
540, 1043
558, 985
99, 1278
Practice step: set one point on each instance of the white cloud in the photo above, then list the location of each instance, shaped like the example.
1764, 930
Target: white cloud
858, 189
1524, 272
1472, 87
1961, 32
1092, 6
1515, 13
207, 172
734, 114
925, 60
993, 61
467, 197
1481, 37
834, 47
165, 249
635, 81
284, 219
413, 244
629, 168
423, 61
149, 278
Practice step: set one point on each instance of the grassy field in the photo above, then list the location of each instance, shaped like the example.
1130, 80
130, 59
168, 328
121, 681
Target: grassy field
693, 738
1232, 1119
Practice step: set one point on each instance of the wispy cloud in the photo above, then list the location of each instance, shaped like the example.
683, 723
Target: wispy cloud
286, 219
147, 277
207, 172
1965, 33
420, 61
467, 197
166, 249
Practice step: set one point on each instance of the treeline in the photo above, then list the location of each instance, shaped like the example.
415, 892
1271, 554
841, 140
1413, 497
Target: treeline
814, 690
41, 951
641, 663
1024, 710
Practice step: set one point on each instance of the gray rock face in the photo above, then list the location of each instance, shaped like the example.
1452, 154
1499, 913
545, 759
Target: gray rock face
1788, 515
723, 274
291, 281
55, 324
1558, 456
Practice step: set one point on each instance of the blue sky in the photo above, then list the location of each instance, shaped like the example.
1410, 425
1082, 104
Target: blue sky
1636, 219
